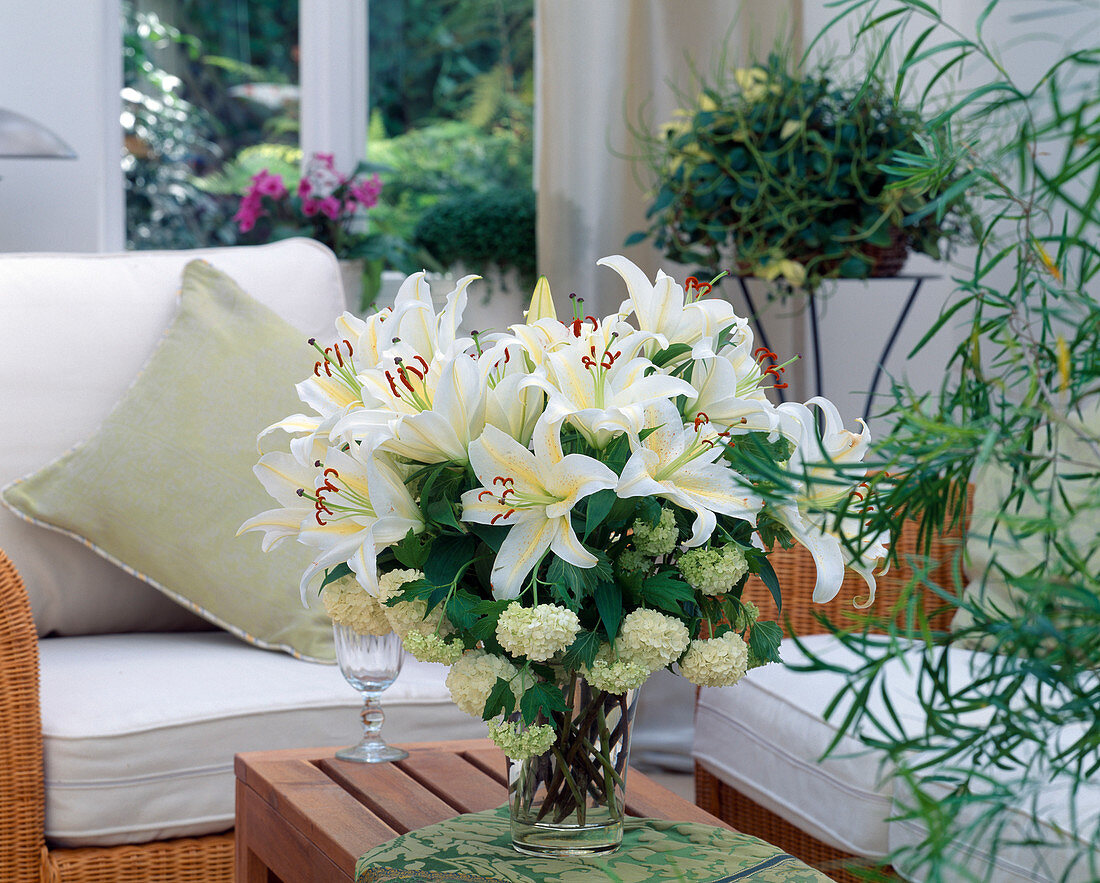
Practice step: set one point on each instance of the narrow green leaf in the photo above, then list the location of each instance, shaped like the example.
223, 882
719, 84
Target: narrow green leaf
609, 604
334, 573
597, 507
771, 581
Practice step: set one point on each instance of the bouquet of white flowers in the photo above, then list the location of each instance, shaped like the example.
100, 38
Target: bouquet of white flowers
558, 510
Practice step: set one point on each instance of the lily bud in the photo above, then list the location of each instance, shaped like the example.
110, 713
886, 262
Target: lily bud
542, 302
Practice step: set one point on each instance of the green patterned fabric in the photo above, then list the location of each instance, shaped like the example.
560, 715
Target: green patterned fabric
477, 847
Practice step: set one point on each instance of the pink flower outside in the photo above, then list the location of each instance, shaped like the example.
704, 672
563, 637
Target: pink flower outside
330, 206
310, 207
266, 184
250, 210
305, 188
367, 191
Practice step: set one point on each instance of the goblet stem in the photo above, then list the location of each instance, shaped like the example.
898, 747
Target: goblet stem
373, 717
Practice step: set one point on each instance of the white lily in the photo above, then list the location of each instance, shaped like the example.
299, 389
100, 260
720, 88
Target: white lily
533, 495
282, 475
664, 308
360, 505
415, 321
428, 411
511, 403
681, 464
721, 401
599, 383
819, 486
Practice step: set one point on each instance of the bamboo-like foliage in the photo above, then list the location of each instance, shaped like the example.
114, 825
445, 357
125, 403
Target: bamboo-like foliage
1008, 760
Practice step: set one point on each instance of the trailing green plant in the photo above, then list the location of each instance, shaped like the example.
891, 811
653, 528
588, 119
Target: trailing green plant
1008, 757
496, 227
782, 172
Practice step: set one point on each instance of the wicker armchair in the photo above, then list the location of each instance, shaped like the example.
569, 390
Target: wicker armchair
24, 855
797, 573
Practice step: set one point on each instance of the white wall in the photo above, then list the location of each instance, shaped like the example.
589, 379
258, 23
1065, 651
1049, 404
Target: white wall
61, 64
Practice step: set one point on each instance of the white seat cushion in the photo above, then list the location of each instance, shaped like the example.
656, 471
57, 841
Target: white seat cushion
140, 729
766, 736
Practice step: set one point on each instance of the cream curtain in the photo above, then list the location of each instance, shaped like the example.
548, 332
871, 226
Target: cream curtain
601, 66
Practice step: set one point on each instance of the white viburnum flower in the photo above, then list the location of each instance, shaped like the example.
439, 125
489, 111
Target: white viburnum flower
716, 662
819, 486
410, 616
360, 505
348, 603
536, 632
614, 675
521, 742
683, 464
473, 676
713, 571
651, 639
660, 539
533, 494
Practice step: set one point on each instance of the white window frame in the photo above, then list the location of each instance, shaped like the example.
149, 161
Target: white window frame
332, 74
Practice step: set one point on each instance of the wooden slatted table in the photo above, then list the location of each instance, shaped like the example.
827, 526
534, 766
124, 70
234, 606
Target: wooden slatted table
305, 817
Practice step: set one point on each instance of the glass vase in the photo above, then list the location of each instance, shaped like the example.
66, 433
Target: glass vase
571, 800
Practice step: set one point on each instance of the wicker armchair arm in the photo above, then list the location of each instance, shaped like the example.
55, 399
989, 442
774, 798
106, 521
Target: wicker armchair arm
797, 573
22, 802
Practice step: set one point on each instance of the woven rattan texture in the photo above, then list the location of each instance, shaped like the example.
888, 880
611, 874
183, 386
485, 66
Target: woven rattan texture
186, 860
796, 572
21, 796
24, 857
749, 817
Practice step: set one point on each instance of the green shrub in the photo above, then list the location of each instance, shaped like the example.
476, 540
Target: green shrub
480, 229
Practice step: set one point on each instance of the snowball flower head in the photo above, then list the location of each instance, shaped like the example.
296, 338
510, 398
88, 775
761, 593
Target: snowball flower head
348, 603
472, 677
651, 639
520, 743
716, 662
409, 616
614, 675
537, 632
431, 647
713, 571
660, 539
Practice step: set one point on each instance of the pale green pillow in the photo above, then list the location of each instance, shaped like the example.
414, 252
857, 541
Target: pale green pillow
165, 482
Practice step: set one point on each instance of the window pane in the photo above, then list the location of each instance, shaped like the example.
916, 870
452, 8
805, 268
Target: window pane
210, 96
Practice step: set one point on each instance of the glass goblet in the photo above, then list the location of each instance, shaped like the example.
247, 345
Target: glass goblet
370, 663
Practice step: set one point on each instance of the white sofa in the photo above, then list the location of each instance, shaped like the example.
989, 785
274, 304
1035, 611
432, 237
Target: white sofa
760, 749
143, 704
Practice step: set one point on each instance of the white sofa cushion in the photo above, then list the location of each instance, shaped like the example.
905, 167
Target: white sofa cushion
75, 330
140, 730
766, 737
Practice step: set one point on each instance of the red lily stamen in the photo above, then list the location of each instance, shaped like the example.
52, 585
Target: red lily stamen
393, 385
503, 480
493, 520
700, 419
481, 496
317, 368
507, 491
